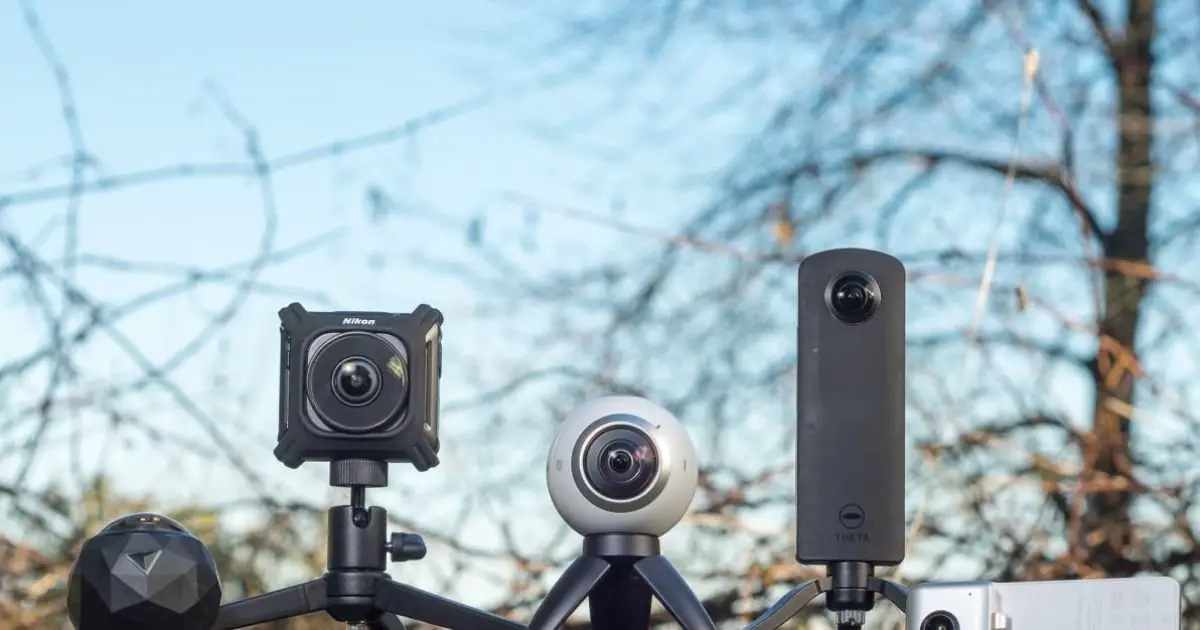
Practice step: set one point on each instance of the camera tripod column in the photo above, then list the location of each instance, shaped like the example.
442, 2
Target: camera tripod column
356, 588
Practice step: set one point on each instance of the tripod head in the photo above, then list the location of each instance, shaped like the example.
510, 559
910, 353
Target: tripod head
356, 588
358, 475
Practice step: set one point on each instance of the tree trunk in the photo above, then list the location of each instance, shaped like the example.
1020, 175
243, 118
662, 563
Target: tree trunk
1109, 456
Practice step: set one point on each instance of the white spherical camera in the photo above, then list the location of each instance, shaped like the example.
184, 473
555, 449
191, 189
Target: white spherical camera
621, 464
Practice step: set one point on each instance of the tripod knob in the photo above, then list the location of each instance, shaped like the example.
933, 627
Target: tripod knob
404, 547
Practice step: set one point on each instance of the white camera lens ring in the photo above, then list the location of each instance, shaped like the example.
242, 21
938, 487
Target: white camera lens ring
579, 464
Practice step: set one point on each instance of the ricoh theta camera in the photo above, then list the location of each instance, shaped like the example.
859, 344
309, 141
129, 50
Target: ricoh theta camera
359, 386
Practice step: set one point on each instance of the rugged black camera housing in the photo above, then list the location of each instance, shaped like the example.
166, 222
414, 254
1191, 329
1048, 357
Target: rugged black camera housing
359, 386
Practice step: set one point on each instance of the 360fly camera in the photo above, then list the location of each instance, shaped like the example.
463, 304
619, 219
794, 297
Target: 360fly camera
359, 386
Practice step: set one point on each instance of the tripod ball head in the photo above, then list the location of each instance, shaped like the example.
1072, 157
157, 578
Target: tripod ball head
144, 572
621, 464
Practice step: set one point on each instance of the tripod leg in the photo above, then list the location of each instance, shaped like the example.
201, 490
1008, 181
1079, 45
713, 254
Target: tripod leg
286, 603
789, 605
891, 591
676, 596
399, 599
568, 592
620, 601
388, 622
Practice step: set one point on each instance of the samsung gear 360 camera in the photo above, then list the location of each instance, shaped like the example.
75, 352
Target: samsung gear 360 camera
621, 464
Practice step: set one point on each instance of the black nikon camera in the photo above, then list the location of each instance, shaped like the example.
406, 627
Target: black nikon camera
359, 386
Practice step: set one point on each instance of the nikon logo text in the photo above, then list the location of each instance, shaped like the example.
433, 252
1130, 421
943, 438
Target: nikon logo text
358, 322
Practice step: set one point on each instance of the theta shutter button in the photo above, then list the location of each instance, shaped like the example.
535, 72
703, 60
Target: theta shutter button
1000, 621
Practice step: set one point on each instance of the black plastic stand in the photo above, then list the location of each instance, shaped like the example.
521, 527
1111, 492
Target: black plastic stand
356, 587
618, 574
849, 589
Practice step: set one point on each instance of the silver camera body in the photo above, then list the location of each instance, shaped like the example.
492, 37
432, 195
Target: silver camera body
621, 464
1144, 603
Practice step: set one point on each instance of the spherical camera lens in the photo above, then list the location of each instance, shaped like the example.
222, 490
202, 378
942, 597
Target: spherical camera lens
854, 298
940, 621
621, 463
620, 460
356, 381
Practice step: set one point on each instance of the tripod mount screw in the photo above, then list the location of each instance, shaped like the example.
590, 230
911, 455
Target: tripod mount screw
404, 547
851, 618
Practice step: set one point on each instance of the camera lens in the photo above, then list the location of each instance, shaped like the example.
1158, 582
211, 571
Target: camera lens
356, 381
145, 521
621, 463
854, 298
940, 621
620, 460
618, 463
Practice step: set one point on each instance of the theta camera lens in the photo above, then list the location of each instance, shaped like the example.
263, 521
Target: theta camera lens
940, 621
854, 298
356, 381
621, 463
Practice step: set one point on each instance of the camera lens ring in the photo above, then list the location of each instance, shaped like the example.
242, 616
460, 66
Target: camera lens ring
621, 445
582, 456
329, 413
853, 297
618, 462
940, 620
356, 381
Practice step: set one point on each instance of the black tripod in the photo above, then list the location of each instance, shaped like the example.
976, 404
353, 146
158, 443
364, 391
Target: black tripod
850, 590
355, 588
617, 574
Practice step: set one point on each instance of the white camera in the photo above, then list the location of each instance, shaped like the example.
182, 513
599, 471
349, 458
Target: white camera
621, 464
1145, 603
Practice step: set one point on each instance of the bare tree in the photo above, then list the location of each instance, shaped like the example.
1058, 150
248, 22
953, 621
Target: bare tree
1034, 164
76, 402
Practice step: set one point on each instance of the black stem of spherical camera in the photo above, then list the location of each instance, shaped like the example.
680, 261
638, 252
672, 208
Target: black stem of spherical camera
618, 575
850, 586
624, 546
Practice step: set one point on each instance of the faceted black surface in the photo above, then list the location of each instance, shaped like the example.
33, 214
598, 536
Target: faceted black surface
144, 572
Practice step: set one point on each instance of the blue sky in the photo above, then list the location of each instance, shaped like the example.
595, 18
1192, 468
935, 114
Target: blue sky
304, 74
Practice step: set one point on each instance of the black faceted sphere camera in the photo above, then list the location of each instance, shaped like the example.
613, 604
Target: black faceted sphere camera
359, 386
144, 572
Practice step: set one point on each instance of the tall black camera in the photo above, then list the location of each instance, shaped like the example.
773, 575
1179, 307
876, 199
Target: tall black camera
359, 386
